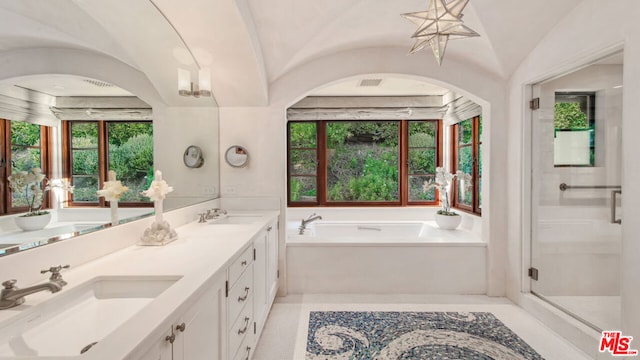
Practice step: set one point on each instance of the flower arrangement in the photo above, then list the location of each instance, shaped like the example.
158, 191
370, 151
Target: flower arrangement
443, 185
30, 186
112, 189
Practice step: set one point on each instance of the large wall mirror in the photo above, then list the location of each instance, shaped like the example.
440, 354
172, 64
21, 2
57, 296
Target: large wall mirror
109, 108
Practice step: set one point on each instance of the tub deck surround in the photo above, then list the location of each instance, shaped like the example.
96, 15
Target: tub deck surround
384, 257
383, 233
199, 258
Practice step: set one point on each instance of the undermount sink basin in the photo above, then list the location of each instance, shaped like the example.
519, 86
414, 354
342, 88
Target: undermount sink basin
236, 219
73, 319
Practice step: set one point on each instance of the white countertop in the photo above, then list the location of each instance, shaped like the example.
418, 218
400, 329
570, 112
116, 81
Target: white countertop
199, 256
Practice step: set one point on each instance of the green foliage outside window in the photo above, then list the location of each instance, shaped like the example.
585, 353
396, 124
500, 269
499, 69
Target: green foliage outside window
25, 153
362, 161
130, 156
568, 115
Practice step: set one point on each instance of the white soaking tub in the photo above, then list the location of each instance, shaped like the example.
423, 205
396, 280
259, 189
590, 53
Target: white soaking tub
396, 257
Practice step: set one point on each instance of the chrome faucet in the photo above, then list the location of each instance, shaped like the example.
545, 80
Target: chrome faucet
12, 296
303, 224
215, 213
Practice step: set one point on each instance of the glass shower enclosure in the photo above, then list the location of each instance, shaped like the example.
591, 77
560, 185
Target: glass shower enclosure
576, 168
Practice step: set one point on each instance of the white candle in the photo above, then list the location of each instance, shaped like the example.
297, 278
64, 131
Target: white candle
158, 203
112, 175
114, 212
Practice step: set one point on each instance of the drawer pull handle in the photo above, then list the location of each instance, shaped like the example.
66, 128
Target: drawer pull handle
181, 327
269, 228
246, 326
244, 263
245, 296
170, 338
248, 352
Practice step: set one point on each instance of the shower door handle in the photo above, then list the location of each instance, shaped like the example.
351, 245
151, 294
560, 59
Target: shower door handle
613, 207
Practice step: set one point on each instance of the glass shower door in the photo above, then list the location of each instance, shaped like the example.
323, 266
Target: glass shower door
575, 192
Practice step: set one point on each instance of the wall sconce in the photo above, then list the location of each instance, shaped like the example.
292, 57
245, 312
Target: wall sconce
186, 86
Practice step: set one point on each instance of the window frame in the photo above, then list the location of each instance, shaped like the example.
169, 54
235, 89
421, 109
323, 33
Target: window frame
321, 166
103, 161
475, 145
6, 168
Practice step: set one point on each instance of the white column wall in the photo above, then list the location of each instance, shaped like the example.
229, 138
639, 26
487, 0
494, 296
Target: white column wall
591, 30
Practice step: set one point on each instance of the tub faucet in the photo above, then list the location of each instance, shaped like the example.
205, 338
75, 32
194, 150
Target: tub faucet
303, 224
12, 296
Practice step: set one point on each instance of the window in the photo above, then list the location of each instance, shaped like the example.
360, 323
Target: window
25, 146
574, 129
342, 163
467, 157
94, 147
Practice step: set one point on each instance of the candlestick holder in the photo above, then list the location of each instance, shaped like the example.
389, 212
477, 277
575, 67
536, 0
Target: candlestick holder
160, 231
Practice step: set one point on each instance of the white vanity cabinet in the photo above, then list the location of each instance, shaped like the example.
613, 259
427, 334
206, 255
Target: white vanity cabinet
265, 274
240, 290
225, 322
196, 334
247, 326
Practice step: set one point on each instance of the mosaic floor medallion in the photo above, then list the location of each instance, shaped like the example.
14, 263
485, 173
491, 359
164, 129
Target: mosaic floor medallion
389, 335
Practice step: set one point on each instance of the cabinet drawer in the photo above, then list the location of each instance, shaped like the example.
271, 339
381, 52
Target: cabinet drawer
242, 327
240, 294
240, 265
245, 352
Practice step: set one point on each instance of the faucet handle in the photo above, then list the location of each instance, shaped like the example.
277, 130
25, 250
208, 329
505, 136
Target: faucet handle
9, 284
202, 218
55, 272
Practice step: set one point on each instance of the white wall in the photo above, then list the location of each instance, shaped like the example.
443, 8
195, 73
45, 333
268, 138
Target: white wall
175, 128
587, 33
263, 131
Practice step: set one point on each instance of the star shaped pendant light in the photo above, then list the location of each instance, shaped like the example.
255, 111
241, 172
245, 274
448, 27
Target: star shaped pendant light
440, 23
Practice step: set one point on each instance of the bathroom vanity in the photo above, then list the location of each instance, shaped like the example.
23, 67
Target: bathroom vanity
204, 296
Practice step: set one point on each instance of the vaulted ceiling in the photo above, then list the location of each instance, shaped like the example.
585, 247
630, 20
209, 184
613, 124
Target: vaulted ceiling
249, 44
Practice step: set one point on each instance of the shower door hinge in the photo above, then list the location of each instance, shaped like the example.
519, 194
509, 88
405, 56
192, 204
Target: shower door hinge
533, 273
278, 273
534, 104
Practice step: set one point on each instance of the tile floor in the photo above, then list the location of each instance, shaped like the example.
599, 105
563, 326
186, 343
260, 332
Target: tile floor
284, 335
601, 311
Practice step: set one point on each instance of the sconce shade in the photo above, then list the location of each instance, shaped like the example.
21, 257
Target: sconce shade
204, 82
184, 82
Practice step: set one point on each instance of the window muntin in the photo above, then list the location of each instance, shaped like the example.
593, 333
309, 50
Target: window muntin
422, 159
24, 147
85, 173
574, 129
94, 147
362, 162
130, 153
467, 157
302, 164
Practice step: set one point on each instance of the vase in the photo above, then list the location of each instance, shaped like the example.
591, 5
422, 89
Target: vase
33, 222
448, 222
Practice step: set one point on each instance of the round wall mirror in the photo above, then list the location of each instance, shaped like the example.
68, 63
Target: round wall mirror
192, 157
237, 156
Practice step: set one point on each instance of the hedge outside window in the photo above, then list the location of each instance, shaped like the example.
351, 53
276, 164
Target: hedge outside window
343, 163
95, 147
467, 157
25, 146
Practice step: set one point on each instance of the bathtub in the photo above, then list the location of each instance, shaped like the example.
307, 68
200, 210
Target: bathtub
381, 232
384, 257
